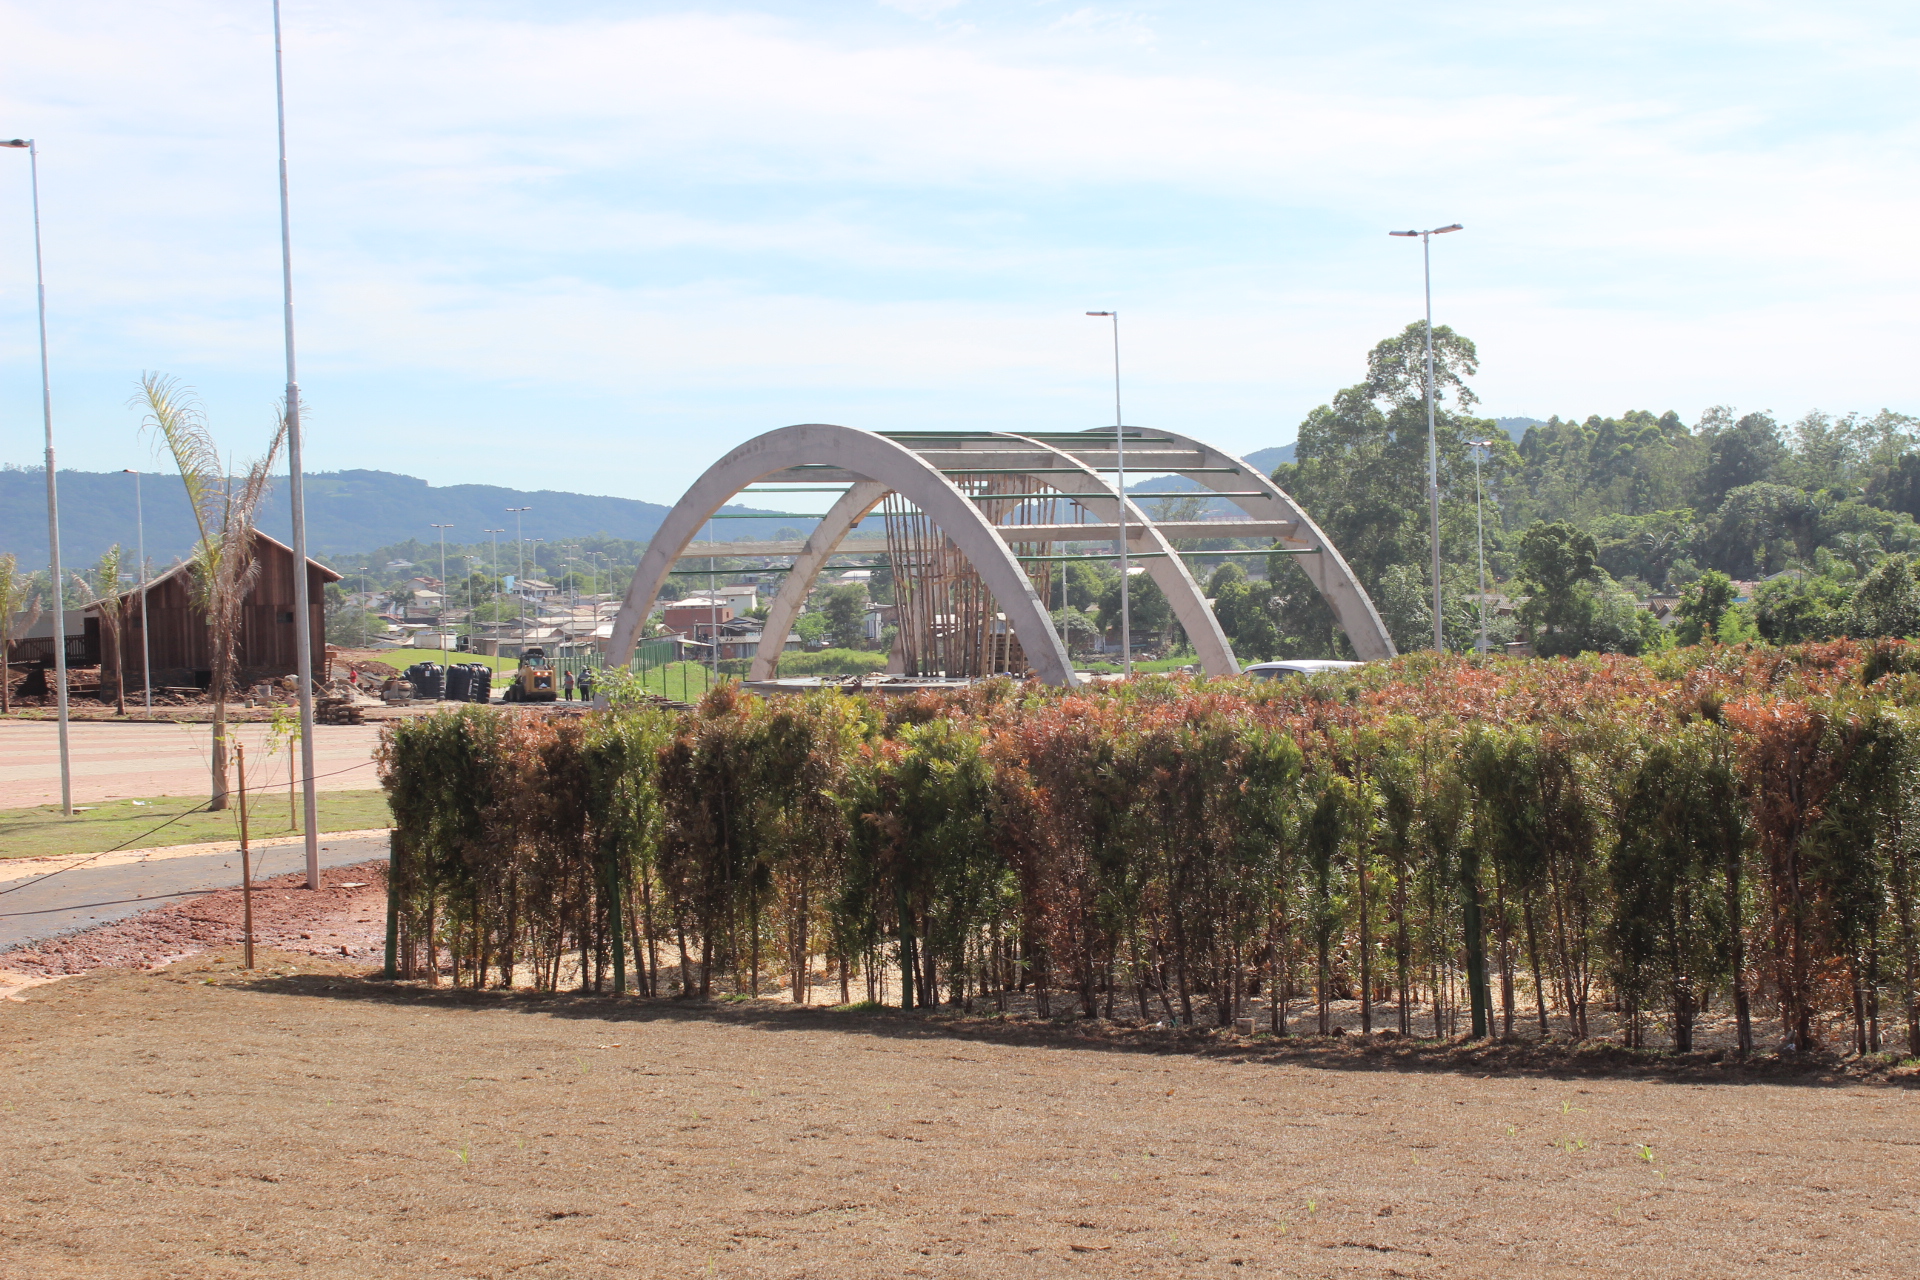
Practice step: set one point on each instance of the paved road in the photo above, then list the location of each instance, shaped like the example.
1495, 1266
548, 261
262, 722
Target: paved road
131, 758
88, 896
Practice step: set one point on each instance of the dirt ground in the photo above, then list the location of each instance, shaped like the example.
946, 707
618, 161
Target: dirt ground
200, 1121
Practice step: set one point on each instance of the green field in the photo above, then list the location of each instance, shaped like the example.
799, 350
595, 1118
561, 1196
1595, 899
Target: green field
41, 831
681, 681
404, 658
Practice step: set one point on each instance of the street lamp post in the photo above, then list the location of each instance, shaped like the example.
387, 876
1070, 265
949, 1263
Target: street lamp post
1480, 539
520, 571
53, 496
495, 566
537, 569
296, 487
140, 528
443, 577
1433, 448
1120, 464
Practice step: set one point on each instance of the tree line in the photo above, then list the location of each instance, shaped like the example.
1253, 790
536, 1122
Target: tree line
1639, 505
1502, 849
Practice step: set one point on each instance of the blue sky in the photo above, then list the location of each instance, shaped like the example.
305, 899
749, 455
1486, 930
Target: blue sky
591, 246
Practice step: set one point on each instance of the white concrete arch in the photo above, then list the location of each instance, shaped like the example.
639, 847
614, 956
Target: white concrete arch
1068, 477
847, 512
1075, 479
863, 455
1326, 568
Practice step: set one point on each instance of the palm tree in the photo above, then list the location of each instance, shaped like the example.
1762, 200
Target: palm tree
16, 598
224, 505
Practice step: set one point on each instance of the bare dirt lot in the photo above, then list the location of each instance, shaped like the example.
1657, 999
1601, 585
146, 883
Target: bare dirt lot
198, 1121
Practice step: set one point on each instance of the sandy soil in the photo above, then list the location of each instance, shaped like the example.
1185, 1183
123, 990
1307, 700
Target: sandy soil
199, 1121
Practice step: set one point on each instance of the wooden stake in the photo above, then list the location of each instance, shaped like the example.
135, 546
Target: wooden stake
246, 857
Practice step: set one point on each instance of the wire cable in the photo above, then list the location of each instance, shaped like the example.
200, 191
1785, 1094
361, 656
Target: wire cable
162, 827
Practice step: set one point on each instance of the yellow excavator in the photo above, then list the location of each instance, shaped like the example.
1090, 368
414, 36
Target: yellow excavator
533, 682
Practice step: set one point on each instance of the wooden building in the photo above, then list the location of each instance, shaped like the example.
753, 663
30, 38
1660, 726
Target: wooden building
179, 650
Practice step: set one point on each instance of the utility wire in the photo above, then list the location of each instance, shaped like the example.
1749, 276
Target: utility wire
275, 784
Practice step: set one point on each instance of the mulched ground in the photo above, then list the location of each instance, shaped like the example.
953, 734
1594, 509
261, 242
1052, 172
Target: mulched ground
305, 1118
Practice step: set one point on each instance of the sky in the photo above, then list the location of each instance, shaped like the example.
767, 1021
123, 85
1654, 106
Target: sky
592, 246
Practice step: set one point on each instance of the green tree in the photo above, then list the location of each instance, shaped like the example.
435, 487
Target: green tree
1361, 473
1703, 607
1148, 613
1797, 609
1240, 604
1887, 602
1741, 453
19, 607
845, 610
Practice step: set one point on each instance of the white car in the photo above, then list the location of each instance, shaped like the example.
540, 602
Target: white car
1294, 667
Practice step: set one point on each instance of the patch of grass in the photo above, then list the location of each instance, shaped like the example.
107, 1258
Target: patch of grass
832, 662
681, 681
860, 1006
41, 831
401, 659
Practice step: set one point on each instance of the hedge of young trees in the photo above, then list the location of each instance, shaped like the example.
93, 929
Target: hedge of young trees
1453, 845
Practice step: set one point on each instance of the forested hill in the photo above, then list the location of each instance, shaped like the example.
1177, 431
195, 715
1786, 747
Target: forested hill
347, 513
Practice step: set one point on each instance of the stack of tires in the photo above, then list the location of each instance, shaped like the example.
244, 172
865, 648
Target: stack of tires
426, 678
479, 681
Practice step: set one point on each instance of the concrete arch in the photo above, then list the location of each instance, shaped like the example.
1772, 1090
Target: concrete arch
1327, 568
1065, 475
863, 455
848, 510
1168, 571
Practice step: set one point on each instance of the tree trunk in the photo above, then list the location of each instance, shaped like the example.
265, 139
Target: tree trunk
1366, 954
219, 799
1533, 958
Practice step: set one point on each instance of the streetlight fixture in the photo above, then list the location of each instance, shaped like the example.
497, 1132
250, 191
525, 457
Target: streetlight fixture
53, 497
1480, 539
443, 577
140, 527
1433, 448
1120, 464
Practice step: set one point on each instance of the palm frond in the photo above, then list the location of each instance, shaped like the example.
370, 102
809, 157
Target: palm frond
175, 412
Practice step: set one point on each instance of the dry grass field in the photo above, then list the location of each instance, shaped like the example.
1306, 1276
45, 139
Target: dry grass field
200, 1121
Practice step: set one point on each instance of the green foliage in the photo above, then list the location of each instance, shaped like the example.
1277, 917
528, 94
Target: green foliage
845, 611
1652, 836
1703, 606
1887, 602
832, 662
1148, 613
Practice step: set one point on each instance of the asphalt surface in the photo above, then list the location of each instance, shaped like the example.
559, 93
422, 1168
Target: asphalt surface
85, 897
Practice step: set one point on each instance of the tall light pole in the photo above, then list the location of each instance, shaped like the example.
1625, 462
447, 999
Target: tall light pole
495, 565
520, 571
53, 495
1120, 463
443, 578
1480, 539
296, 487
1433, 448
537, 569
140, 529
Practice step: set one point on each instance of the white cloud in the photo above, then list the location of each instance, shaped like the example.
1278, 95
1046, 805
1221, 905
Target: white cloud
720, 213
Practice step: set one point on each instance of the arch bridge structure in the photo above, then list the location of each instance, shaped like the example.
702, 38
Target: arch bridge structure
992, 508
